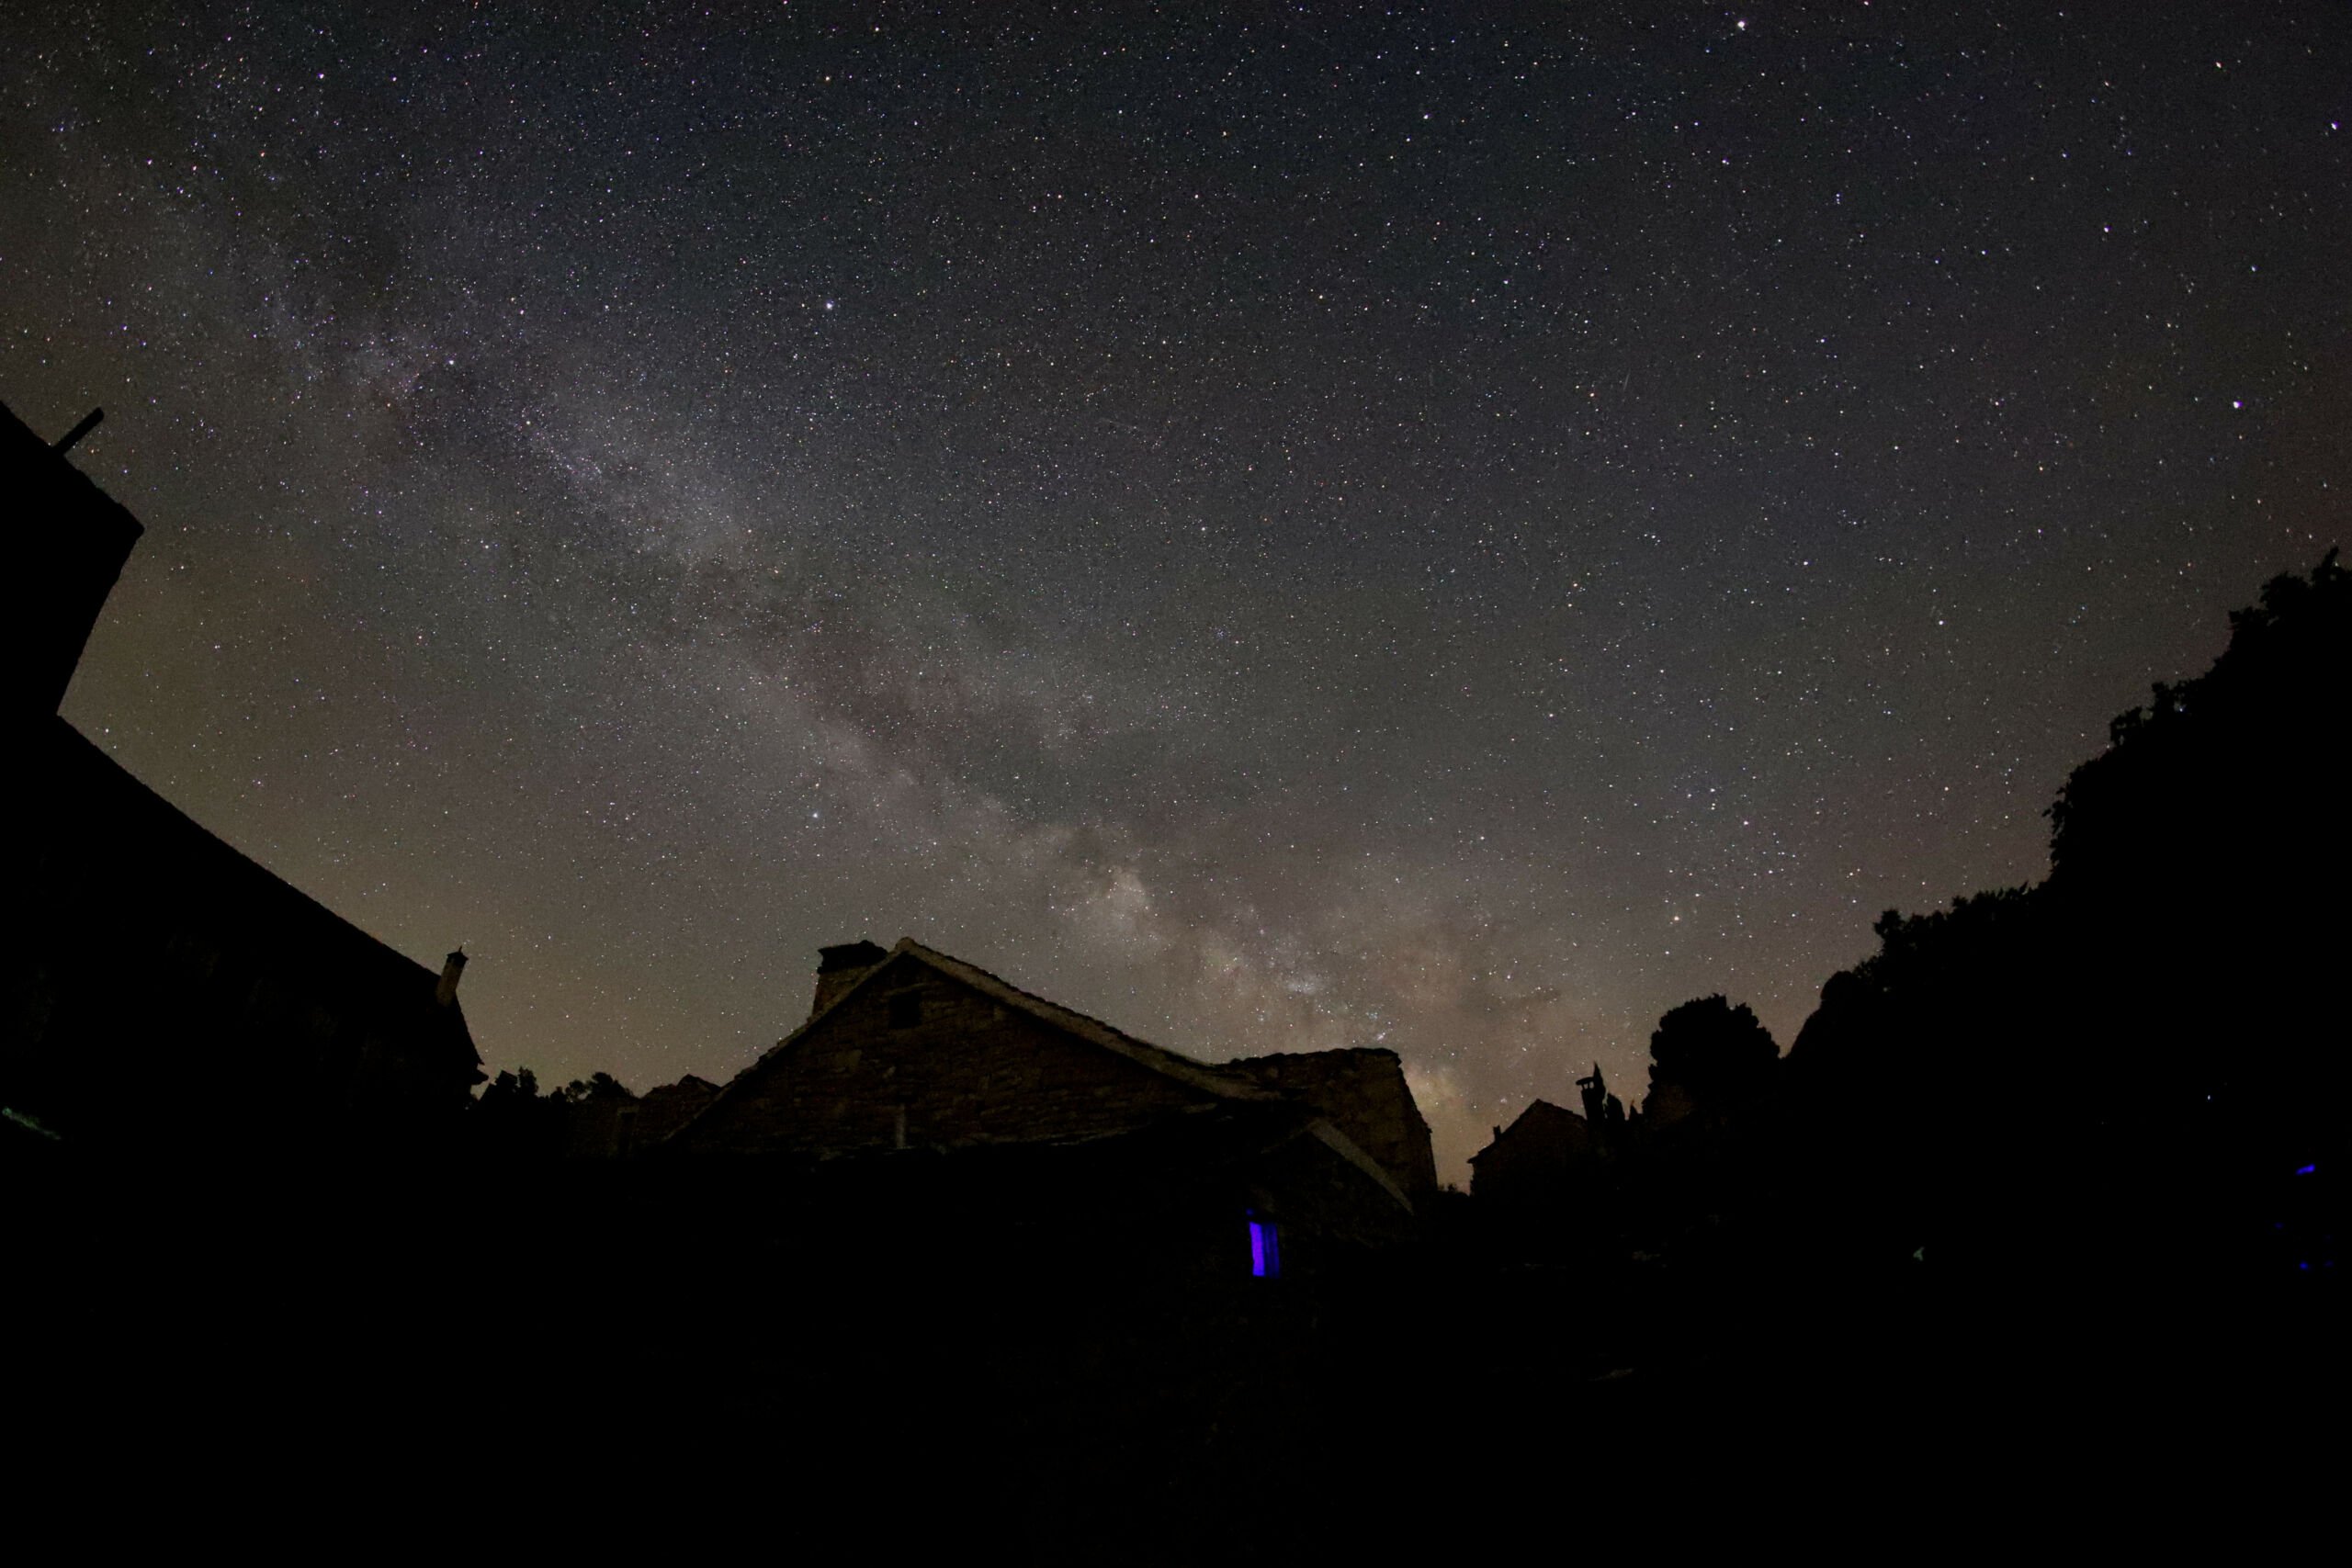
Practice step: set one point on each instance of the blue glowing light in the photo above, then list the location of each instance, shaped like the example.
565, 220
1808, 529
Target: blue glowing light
1265, 1256
2305, 1170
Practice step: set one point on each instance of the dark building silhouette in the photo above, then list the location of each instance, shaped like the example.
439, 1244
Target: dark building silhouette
1535, 1160
662, 1111
67, 546
162, 991
600, 1119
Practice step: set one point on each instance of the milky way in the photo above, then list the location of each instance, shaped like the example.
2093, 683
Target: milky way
1296, 530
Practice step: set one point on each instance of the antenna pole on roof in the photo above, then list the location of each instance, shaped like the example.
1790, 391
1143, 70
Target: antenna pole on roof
89, 423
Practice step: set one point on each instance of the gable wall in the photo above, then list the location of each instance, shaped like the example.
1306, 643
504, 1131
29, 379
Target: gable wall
971, 1071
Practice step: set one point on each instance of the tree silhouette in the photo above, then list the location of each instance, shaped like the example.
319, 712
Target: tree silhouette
2129, 1059
2201, 861
600, 1086
510, 1089
1714, 1054
514, 1120
2215, 767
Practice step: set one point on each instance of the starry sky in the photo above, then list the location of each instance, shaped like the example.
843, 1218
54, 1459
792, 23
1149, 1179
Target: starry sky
1451, 527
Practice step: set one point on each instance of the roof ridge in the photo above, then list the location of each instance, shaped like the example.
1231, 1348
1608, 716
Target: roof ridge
1174, 1064
1325, 1051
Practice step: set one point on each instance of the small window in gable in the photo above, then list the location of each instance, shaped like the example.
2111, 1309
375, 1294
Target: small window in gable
906, 1010
1265, 1247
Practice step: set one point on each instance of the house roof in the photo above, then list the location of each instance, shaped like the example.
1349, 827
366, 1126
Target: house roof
690, 1084
1160, 1059
1183, 1069
181, 867
1538, 1116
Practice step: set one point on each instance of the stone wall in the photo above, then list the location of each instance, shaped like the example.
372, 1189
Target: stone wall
1365, 1094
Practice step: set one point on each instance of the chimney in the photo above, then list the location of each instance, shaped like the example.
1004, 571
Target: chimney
447, 991
840, 967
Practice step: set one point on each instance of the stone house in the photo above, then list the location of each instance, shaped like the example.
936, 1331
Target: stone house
162, 991
917, 1070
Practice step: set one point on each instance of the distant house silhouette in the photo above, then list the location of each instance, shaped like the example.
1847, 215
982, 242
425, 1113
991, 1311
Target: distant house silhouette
609, 1122
914, 1061
663, 1111
1533, 1161
163, 991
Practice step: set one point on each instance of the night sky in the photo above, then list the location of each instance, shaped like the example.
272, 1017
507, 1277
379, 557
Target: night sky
1300, 528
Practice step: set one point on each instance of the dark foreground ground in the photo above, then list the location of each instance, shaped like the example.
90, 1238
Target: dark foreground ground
578, 1358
